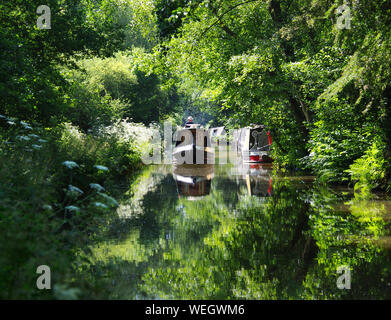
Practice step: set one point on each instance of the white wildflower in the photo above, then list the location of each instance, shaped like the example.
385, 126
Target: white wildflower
72, 208
111, 200
73, 132
103, 168
11, 123
75, 189
100, 205
96, 186
26, 125
125, 130
23, 138
70, 164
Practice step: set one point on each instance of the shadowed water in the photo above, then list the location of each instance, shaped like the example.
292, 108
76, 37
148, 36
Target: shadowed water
242, 232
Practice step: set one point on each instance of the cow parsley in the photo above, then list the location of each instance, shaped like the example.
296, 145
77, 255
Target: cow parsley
75, 189
103, 168
72, 208
97, 187
25, 125
70, 164
100, 205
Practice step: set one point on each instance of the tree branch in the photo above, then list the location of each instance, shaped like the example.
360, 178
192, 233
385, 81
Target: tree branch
225, 28
223, 14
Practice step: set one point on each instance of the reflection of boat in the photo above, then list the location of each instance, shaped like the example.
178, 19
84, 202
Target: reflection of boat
193, 181
257, 177
253, 144
193, 146
260, 186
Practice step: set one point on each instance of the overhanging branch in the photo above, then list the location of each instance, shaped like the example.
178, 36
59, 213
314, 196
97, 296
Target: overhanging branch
218, 20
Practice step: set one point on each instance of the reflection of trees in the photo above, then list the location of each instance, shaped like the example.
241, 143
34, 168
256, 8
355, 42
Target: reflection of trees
258, 250
231, 245
115, 267
349, 235
288, 246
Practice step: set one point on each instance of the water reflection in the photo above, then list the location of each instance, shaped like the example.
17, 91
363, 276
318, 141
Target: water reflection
258, 178
251, 234
193, 181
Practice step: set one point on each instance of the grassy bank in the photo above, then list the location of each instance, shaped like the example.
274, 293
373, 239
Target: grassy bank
58, 192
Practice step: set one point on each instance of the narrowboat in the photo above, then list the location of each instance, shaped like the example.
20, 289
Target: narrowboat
253, 144
193, 146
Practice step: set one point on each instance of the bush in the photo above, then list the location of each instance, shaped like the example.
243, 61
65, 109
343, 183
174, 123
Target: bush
103, 148
105, 90
337, 139
56, 197
369, 171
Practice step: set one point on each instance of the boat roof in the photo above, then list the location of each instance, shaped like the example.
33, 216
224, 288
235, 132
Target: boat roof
193, 126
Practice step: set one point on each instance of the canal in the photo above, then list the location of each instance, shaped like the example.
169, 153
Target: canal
241, 231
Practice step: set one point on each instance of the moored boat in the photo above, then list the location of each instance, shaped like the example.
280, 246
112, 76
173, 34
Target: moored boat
193, 146
253, 144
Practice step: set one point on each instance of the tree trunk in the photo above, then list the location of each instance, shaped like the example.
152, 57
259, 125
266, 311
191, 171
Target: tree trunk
300, 112
386, 126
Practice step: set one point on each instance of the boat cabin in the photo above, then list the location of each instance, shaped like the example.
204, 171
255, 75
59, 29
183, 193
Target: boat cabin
252, 144
193, 146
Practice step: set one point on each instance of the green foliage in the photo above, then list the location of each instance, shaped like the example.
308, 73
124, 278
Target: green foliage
107, 150
105, 90
57, 197
333, 150
170, 15
318, 88
31, 87
84, 86
369, 171
134, 20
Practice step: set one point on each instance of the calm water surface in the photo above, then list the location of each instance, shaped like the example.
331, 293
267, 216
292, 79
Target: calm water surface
242, 232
